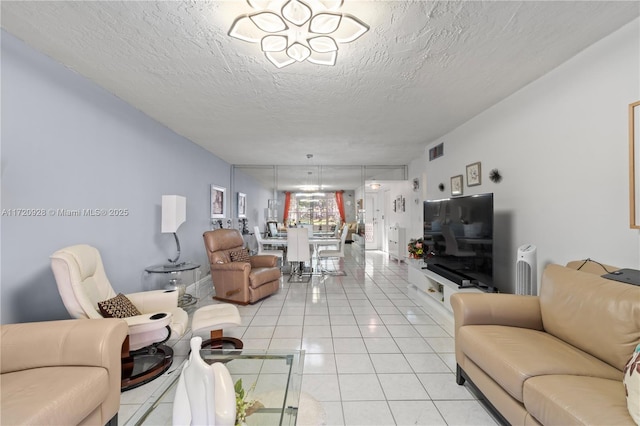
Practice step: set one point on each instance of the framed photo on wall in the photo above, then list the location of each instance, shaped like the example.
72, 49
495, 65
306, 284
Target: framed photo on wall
474, 177
456, 185
218, 202
634, 165
242, 205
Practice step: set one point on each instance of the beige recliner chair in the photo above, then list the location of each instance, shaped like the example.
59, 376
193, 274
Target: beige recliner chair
238, 277
83, 283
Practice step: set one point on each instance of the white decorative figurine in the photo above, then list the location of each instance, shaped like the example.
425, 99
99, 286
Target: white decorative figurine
205, 393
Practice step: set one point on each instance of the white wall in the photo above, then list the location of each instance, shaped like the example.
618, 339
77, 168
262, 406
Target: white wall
68, 144
561, 145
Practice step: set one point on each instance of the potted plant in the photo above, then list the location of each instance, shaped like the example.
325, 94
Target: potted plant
416, 248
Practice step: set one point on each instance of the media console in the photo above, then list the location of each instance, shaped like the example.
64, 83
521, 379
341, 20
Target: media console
463, 281
432, 291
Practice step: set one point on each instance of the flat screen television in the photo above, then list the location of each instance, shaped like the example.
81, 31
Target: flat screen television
458, 239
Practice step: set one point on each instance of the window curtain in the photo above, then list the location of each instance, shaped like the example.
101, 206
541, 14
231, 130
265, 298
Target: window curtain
340, 203
287, 202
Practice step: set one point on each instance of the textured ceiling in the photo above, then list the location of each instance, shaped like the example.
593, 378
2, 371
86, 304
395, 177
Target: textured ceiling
424, 68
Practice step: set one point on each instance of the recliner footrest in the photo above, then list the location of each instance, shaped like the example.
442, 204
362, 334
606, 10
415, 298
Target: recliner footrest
215, 318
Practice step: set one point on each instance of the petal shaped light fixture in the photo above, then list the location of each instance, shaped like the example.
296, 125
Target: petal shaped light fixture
328, 58
259, 4
332, 4
298, 52
322, 44
269, 22
350, 29
296, 12
244, 29
273, 43
290, 31
279, 59
325, 23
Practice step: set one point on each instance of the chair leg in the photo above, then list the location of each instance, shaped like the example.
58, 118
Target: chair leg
217, 341
298, 273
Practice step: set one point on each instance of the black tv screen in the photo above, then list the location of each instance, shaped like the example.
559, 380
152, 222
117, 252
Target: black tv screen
458, 235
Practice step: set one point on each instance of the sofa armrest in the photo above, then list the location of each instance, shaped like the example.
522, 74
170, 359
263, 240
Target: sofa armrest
68, 342
78, 342
264, 261
154, 301
496, 309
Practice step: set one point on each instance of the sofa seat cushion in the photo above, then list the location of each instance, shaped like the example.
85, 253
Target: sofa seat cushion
511, 355
52, 395
261, 276
570, 400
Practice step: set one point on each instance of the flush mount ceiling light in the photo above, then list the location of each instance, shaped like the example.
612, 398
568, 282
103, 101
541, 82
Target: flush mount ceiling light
290, 31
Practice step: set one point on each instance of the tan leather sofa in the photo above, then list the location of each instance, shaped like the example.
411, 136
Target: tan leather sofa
241, 282
553, 359
61, 372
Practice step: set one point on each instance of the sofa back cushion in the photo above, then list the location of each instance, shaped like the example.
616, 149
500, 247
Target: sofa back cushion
594, 314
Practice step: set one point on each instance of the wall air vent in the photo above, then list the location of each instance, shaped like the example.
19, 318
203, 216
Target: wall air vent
436, 151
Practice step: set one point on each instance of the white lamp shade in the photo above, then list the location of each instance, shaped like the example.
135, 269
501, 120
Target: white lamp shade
174, 212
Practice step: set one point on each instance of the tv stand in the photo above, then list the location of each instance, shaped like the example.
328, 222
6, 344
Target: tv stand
432, 291
457, 277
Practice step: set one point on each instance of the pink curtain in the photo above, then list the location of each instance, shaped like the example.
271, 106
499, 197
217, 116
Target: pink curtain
340, 203
287, 202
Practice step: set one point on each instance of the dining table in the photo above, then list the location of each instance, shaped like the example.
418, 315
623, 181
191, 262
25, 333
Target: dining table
315, 241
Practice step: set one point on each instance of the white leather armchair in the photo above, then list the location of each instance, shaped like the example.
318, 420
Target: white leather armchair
82, 283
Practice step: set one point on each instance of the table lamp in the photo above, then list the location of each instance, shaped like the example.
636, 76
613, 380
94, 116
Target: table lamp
174, 214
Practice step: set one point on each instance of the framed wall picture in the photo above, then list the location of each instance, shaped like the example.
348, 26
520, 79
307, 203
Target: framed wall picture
634, 165
218, 202
456, 185
394, 205
242, 205
474, 177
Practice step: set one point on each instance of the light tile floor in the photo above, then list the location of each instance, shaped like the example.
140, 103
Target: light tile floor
373, 357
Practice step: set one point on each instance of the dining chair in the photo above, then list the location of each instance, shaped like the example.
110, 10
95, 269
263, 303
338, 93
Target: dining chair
261, 249
298, 253
333, 253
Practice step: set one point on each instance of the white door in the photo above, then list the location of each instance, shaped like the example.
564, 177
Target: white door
385, 220
372, 223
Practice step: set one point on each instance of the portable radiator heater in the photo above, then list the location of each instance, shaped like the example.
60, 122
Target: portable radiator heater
526, 270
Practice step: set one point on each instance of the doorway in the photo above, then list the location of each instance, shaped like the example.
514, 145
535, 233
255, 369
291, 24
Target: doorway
372, 224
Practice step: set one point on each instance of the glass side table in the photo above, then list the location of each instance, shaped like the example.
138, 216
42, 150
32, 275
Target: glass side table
171, 278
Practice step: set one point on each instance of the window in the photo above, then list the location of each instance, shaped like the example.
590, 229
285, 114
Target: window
317, 208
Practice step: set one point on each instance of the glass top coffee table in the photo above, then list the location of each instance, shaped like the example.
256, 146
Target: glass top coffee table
273, 378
